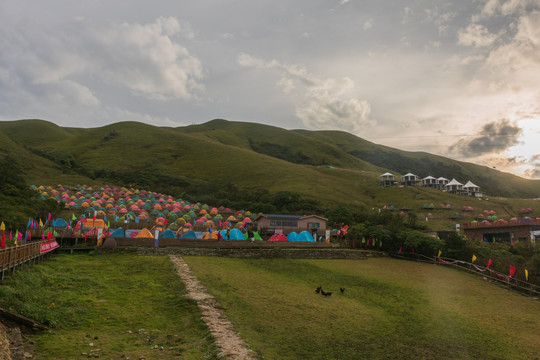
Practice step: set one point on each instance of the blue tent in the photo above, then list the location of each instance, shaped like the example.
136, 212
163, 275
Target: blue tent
305, 236
190, 234
167, 234
117, 233
234, 234
59, 223
293, 236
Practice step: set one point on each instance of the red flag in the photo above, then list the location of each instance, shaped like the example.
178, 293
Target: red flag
512, 270
413, 250
489, 264
3, 243
85, 237
49, 235
400, 250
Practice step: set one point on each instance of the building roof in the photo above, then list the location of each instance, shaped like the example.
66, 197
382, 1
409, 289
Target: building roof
409, 174
442, 179
386, 174
469, 184
454, 182
429, 178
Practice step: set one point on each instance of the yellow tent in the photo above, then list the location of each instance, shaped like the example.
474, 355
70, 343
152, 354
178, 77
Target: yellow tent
98, 224
144, 233
210, 235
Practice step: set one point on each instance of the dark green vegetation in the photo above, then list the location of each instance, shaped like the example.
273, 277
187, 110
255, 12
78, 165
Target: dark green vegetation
246, 165
17, 201
105, 300
390, 309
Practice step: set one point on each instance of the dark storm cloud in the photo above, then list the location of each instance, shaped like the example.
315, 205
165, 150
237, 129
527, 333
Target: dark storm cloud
494, 137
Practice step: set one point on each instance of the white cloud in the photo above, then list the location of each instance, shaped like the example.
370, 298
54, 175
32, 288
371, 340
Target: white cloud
320, 104
368, 24
146, 59
476, 35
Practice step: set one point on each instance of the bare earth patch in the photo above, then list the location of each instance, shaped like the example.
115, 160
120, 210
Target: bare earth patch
229, 342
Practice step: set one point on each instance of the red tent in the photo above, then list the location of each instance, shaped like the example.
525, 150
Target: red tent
278, 237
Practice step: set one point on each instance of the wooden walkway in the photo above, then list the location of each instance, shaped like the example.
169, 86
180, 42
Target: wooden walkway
16, 256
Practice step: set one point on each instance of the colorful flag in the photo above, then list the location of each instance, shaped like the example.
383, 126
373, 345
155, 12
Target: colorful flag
73, 217
526, 274
489, 264
29, 223
3, 226
400, 250
413, 250
19, 236
439, 255
137, 220
380, 243
40, 223
473, 258
512, 270
3, 243
49, 217
363, 240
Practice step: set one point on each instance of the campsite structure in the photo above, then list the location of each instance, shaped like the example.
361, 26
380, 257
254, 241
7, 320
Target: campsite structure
441, 183
285, 224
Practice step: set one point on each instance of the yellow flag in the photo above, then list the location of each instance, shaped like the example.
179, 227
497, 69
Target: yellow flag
3, 226
40, 223
473, 258
526, 275
440, 252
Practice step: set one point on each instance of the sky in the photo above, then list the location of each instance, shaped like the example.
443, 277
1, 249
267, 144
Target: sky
457, 78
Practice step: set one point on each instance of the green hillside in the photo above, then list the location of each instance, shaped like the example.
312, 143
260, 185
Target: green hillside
222, 161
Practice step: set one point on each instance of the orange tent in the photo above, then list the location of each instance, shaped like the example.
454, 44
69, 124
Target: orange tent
144, 233
98, 224
210, 235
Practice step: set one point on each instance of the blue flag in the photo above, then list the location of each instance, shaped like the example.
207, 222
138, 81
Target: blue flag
29, 223
137, 220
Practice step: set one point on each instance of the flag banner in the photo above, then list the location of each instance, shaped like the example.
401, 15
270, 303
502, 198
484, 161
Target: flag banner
512, 270
526, 275
3, 243
3, 226
489, 264
400, 250
439, 254
48, 246
473, 258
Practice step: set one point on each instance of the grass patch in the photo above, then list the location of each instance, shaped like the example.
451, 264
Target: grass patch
390, 309
105, 299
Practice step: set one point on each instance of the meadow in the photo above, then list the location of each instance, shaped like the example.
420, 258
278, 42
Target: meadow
390, 309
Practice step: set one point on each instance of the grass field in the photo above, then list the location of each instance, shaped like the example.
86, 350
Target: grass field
390, 309
114, 305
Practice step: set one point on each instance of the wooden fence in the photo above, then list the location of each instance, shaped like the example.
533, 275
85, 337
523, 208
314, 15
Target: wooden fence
15, 256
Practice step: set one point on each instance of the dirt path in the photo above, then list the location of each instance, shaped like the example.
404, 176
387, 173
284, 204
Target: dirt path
227, 339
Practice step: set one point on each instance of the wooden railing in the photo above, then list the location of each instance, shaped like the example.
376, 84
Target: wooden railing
15, 256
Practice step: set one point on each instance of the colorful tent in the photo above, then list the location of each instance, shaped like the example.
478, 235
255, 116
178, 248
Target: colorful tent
167, 234
190, 234
144, 233
305, 236
293, 236
210, 235
278, 237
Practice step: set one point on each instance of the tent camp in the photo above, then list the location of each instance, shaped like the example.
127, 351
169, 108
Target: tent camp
278, 237
210, 235
167, 234
97, 223
59, 223
256, 236
234, 234
292, 236
144, 233
190, 234
305, 236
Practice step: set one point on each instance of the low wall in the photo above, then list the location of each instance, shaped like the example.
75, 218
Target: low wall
284, 253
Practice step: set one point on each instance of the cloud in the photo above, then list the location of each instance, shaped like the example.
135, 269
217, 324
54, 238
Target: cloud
146, 59
495, 137
476, 35
319, 104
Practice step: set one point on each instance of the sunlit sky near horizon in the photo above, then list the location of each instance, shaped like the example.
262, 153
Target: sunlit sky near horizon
454, 78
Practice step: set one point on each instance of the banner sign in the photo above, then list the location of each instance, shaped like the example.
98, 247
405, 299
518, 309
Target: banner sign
48, 246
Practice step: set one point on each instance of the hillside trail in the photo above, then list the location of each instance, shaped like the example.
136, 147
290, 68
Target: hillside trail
231, 345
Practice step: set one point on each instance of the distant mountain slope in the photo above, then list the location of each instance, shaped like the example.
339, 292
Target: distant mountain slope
243, 154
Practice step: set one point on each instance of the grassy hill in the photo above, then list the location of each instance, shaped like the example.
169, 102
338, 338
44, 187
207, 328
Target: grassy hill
227, 157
